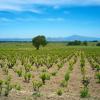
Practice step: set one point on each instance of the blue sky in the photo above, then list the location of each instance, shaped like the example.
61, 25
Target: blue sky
52, 18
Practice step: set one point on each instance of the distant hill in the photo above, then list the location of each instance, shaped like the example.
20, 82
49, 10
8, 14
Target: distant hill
70, 38
74, 37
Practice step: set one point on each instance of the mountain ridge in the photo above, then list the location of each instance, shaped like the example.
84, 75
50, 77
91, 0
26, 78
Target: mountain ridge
75, 37
69, 38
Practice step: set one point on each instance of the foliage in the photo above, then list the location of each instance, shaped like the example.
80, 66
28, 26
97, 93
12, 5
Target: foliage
54, 73
85, 81
60, 66
19, 72
85, 43
26, 57
98, 44
59, 92
27, 76
36, 85
67, 76
98, 76
64, 83
1, 83
84, 92
45, 76
76, 42
17, 86
39, 40
28, 67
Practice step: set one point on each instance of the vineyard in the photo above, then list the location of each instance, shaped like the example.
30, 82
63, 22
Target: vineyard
55, 72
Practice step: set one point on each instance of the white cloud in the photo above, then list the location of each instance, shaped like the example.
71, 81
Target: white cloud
10, 7
21, 5
5, 20
41, 19
54, 19
35, 11
18, 5
56, 7
19, 8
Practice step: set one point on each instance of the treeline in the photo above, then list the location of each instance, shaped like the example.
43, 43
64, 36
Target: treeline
76, 42
98, 44
82, 43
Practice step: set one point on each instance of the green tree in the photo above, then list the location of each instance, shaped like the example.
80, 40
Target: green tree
38, 41
76, 42
85, 43
98, 44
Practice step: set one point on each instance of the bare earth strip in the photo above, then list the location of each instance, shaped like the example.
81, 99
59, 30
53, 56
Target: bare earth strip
54, 83
93, 87
74, 84
72, 91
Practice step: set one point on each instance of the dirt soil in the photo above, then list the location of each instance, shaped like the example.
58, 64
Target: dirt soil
72, 92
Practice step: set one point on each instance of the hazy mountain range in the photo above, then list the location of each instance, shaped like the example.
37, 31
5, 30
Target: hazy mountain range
70, 38
75, 37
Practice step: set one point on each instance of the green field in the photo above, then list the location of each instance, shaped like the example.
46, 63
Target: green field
53, 72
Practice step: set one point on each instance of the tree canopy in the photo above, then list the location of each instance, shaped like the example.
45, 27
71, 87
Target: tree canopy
98, 44
77, 42
39, 41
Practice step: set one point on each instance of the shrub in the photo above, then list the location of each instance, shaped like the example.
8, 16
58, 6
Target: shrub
83, 70
8, 86
60, 66
70, 67
85, 43
97, 67
36, 85
8, 79
59, 92
82, 62
85, 81
98, 44
98, 76
84, 92
64, 83
17, 86
43, 69
10, 64
19, 72
27, 76
28, 67
1, 82
70, 63
67, 76
1, 64
49, 65
54, 73
45, 76
5, 69
37, 94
